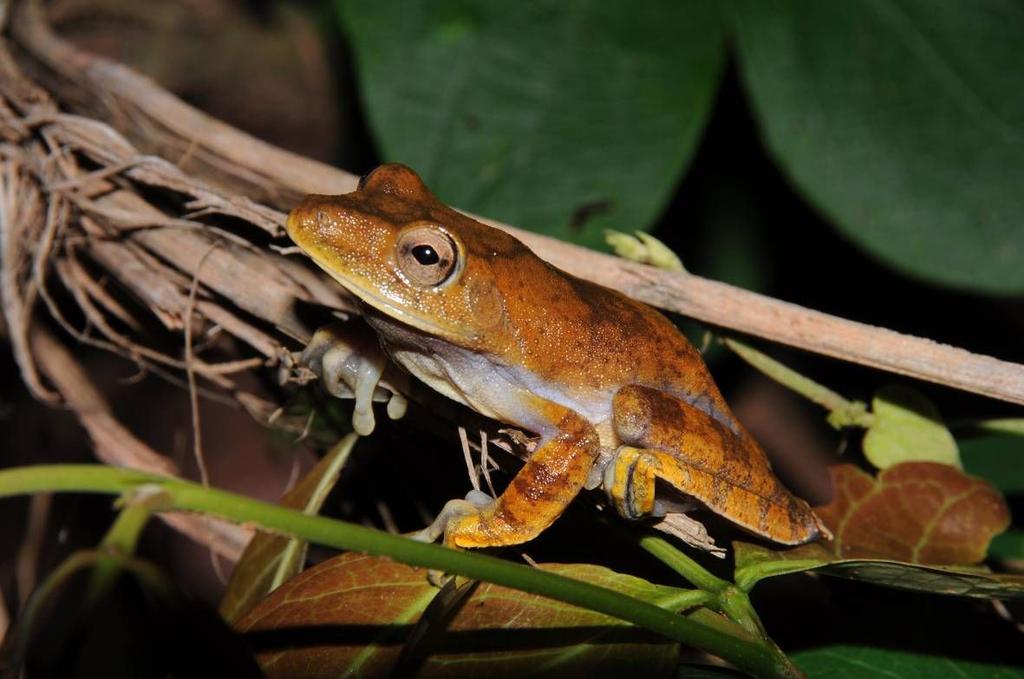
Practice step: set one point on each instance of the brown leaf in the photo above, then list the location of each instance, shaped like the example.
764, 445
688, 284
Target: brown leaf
270, 559
917, 512
352, 614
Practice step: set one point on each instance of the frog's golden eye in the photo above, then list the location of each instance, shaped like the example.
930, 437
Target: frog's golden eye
427, 256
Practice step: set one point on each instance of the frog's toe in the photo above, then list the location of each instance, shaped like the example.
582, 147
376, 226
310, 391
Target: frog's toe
322, 341
332, 364
397, 405
478, 498
438, 578
629, 481
451, 514
363, 422
346, 373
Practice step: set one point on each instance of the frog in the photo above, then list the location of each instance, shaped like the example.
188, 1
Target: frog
618, 398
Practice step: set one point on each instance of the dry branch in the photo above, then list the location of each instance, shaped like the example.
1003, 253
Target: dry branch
236, 161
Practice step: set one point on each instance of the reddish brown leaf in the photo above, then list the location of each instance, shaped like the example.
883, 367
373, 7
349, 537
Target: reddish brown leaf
350, 616
918, 512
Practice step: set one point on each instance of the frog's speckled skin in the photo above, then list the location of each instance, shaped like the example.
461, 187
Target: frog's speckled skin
528, 344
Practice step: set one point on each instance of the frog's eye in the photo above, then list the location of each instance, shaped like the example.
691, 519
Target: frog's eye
427, 256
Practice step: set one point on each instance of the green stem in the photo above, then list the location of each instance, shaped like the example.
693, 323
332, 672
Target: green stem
735, 603
665, 552
47, 594
843, 412
120, 541
723, 595
760, 659
686, 599
1004, 425
749, 576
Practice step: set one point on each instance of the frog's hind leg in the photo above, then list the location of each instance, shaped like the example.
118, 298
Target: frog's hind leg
539, 493
721, 466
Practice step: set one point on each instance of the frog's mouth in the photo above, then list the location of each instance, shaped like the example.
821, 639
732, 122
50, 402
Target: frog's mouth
389, 309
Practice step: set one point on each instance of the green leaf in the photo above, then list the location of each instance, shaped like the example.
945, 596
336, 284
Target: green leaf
1009, 545
903, 122
999, 459
756, 562
853, 662
643, 248
373, 604
561, 117
907, 428
270, 559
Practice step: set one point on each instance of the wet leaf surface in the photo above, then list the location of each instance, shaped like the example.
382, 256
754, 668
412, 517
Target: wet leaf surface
907, 428
271, 559
354, 613
919, 512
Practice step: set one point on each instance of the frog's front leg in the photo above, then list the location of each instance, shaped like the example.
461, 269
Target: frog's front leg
350, 363
539, 493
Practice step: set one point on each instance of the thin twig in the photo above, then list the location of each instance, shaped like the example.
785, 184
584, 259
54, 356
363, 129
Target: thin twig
474, 479
190, 372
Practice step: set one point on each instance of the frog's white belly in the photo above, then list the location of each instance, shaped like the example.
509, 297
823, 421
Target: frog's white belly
495, 390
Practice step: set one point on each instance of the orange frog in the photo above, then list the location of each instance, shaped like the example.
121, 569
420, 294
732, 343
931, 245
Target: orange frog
619, 398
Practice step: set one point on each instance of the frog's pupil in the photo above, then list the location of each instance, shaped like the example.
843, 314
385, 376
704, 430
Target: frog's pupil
425, 255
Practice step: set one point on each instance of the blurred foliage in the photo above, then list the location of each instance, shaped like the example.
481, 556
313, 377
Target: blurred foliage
561, 117
849, 661
906, 426
998, 459
903, 122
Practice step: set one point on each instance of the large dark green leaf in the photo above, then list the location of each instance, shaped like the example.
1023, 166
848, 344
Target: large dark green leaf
854, 662
565, 117
998, 458
903, 120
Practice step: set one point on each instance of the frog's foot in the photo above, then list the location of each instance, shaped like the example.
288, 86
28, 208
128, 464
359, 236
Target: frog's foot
552, 476
350, 365
629, 481
453, 511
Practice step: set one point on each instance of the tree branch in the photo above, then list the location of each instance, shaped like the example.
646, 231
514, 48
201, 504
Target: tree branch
235, 161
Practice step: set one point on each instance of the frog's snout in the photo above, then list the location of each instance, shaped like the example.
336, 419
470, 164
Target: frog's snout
300, 220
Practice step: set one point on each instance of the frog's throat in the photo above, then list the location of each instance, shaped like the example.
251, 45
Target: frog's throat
394, 311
